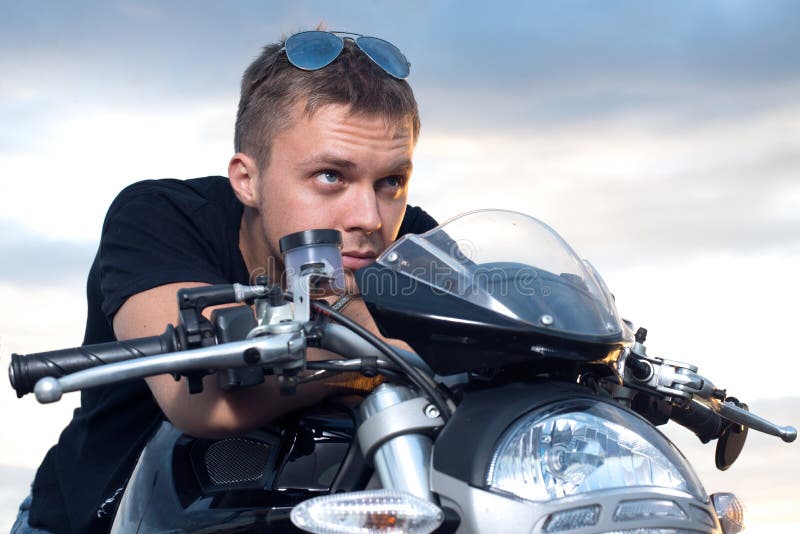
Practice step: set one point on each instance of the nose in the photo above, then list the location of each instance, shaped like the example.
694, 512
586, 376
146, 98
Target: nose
361, 213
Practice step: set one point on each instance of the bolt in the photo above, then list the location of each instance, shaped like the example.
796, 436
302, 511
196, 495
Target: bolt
432, 411
641, 335
252, 356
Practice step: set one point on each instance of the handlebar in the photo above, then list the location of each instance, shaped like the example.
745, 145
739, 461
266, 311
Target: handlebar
26, 370
681, 383
287, 348
51, 374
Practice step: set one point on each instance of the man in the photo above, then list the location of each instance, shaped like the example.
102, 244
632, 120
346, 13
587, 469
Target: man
323, 139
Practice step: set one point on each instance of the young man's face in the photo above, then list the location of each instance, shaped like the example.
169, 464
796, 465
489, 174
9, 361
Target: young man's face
342, 171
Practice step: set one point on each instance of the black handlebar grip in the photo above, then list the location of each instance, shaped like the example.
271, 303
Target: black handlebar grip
701, 420
26, 370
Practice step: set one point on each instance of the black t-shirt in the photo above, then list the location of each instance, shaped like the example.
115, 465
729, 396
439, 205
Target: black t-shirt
156, 232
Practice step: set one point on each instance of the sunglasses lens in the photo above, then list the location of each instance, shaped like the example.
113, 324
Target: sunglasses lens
386, 55
313, 50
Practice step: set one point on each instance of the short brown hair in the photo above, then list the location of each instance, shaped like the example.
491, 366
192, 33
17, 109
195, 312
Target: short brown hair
271, 86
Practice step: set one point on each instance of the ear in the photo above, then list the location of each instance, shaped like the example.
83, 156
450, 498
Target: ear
244, 177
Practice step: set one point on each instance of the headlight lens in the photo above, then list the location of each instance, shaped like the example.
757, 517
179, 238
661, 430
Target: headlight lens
580, 446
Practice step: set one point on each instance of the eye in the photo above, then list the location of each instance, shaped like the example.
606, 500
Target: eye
393, 182
328, 177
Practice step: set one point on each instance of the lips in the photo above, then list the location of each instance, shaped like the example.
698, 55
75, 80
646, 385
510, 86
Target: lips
355, 260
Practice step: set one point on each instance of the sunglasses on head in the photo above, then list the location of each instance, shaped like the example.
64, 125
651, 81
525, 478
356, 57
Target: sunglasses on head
313, 50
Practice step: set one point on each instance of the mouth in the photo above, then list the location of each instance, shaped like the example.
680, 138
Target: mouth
355, 259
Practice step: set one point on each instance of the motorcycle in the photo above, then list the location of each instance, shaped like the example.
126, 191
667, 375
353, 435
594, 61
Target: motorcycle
528, 404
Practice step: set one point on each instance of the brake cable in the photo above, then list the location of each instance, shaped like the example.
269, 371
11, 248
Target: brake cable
417, 376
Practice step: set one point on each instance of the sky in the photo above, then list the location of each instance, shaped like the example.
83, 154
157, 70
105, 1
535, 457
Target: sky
661, 139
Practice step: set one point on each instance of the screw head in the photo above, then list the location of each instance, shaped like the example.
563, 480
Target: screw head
392, 257
431, 411
546, 319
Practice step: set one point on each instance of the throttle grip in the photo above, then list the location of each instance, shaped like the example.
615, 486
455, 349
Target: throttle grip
703, 421
26, 370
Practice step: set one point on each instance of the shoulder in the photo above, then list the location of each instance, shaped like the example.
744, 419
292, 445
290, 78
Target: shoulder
207, 202
159, 232
416, 221
186, 195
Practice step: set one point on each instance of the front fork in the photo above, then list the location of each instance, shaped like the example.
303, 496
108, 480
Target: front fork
395, 438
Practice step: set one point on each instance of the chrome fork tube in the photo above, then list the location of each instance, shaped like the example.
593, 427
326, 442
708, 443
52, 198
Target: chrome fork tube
402, 462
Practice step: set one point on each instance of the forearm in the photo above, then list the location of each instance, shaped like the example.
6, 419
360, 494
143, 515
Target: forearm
215, 411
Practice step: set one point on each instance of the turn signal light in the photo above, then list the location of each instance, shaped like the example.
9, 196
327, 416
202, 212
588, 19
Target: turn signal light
367, 512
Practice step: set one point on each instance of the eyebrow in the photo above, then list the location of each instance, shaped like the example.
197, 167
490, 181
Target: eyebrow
402, 166
332, 161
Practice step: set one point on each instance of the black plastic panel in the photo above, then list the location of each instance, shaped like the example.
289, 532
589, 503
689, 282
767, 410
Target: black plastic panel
454, 336
246, 484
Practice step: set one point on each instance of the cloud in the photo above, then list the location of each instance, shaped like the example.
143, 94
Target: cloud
723, 313
642, 131
452, 45
557, 41
30, 258
63, 184
669, 104
476, 68
631, 186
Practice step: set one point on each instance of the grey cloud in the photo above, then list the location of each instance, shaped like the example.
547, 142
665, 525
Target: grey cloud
200, 47
29, 258
545, 41
522, 68
675, 105
476, 65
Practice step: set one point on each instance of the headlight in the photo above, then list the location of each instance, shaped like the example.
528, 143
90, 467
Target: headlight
579, 446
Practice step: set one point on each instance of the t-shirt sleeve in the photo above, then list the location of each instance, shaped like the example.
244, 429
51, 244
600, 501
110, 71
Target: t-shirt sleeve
149, 239
416, 221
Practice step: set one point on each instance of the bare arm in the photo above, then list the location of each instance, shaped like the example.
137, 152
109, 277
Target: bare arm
215, 412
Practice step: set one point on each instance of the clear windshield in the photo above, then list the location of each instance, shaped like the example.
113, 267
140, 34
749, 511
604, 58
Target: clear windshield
512, 264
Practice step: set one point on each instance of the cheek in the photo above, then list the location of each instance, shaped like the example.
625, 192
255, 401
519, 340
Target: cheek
277, 211
391, 219
287, 208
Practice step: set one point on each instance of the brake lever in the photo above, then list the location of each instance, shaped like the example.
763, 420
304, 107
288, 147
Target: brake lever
735, 414
680, 383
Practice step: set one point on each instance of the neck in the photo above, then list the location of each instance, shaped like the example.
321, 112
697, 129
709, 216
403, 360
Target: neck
255, 250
